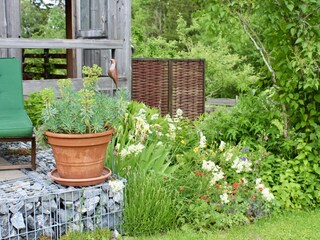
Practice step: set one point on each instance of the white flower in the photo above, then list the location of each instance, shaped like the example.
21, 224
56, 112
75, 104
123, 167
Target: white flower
242, 165
124, 153
132, 149
208, 165
130, 136
138, 148
258, 181
116, 186
222, 146
169, 119
217, 176
179, 112
172, 127
176, 120
154, 116
117, 147
228, 156
267, 194
224, 198
142, 112
203, 141
159, 143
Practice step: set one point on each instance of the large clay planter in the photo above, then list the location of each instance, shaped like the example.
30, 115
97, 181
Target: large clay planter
79, 155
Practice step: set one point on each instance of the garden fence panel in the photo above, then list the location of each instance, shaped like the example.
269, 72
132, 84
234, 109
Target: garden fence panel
170, 84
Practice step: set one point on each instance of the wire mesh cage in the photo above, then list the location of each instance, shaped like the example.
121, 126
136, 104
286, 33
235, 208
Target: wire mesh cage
170, 84
30, 209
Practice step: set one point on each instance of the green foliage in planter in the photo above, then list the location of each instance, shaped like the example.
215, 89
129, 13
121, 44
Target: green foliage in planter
83, 111
34, 106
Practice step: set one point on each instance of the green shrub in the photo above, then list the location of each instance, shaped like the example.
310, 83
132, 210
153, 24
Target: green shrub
254, 119
34, 106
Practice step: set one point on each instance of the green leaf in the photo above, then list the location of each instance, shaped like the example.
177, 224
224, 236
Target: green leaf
299, 40
290, 7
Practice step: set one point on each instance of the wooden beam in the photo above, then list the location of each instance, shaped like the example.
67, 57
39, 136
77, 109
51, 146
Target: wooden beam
105, 84
61, 43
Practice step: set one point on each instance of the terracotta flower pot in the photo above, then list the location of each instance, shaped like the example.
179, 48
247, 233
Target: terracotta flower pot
79, 156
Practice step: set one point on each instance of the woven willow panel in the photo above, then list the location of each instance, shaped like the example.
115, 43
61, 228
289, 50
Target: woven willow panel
169, 84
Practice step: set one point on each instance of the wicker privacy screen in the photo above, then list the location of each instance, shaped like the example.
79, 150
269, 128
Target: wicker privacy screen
169, 84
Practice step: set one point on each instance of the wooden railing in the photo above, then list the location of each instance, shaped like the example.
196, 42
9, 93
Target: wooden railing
44, 65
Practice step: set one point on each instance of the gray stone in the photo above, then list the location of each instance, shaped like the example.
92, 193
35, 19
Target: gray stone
111, 205
4, 219
21, 193
17, 221
36, 186
42, 221
21, 184
65, 215
13, 234
70, 196
29, 207
48, 197
16, 206
104, 198
88, 224
48, 232
68, 204
105, 187
90, 205
4, 208
31, 223
32, 199
118, 197
90, 193
76, 227
5, 231
111, 222
49, 206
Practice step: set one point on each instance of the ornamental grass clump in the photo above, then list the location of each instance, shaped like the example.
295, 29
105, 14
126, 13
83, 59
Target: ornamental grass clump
78, 112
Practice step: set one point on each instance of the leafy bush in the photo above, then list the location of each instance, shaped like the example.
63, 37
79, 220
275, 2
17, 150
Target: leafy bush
34, 106
254, 119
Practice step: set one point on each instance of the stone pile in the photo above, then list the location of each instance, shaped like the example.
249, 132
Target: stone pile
34, 205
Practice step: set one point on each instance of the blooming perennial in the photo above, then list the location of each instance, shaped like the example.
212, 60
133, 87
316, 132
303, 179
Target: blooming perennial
242, 165
222, 146
224, 198
203, 141
217, 173
132, 149
116, 186
179, 113
266, 194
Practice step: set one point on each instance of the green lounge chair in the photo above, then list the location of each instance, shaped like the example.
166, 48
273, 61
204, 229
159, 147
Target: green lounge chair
15, 124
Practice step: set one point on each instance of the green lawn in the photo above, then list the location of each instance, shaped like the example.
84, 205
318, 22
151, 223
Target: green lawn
296, 225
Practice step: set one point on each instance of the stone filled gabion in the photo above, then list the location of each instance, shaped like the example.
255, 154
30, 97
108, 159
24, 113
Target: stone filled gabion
34, 205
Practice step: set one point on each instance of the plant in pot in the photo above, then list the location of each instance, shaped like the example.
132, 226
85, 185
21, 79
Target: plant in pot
79, 125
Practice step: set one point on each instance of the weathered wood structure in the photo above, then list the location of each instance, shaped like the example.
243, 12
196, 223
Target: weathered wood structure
96, 31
